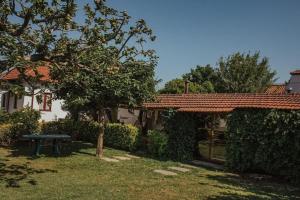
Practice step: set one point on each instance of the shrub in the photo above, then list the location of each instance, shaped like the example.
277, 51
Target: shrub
122, 136
181, 129
5, 134
264, 140
24, 121
158, 143
79, 130
4, 117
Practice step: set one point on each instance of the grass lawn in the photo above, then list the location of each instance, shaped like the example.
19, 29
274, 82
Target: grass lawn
79, 175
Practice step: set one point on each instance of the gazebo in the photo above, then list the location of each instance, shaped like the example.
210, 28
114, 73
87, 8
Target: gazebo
216, 104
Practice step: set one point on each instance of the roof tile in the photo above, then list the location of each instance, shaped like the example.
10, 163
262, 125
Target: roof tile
218, 102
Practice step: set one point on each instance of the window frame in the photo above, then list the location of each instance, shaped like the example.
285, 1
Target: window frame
15, 106
3, 100
44, 102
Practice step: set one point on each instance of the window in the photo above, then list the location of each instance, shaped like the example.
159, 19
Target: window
3, 102
15, 101
46, 103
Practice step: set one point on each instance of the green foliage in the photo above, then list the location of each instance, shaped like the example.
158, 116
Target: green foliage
176, 86
265, 141
4, 117
5, 134
79, 130
242, 73
24, 121
181, 129
158, 143
116, 135
238, 73
121, 136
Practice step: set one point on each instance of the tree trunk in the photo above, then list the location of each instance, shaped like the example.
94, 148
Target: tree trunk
99, 151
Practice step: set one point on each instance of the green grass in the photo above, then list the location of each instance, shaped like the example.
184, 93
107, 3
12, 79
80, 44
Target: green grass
79, 175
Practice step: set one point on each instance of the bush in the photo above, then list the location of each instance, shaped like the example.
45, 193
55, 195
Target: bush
79, 130
24, 121
116, 135
181, 129
122, 136
158, 143
263, 140
5, 134
4, 117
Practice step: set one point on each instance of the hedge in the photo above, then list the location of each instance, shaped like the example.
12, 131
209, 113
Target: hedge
121, 136
264, 140
181, 128
157, 143
79, 130
5, 134
116, 135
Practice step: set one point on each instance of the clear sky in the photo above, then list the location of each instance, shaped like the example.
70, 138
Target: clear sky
192, 32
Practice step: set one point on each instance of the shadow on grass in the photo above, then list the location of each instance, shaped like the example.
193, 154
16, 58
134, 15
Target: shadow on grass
13, 174
260, 189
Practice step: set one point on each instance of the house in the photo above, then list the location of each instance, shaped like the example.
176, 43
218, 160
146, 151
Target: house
294, 83
50, 109
292, 86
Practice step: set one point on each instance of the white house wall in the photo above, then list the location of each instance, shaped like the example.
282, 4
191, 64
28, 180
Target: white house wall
56, 108
26, 101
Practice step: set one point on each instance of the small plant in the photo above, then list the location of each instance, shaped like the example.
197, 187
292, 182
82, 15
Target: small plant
158, 143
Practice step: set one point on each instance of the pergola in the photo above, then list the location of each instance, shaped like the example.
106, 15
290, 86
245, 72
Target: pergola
215, 104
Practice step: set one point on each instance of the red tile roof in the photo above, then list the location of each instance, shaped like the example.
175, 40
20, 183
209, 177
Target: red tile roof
296, 72
224, 102
276, 89
41, 70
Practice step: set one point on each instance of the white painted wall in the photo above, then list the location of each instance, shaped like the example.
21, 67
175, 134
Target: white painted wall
56, 107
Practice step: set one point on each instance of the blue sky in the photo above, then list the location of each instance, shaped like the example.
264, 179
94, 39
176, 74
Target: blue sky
192, 32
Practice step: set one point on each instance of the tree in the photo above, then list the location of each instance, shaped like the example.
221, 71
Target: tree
30, 31
176, 86
238, 73
242, 73
201, 79
96, 65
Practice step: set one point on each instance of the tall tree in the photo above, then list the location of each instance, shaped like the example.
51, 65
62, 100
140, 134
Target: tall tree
30, 31
201, 78
177, 86
242, 73
106, 68
98, 64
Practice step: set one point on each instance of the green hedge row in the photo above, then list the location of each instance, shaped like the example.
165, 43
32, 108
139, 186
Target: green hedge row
181, 129
13, 126
158, 143
120, 136
264, 140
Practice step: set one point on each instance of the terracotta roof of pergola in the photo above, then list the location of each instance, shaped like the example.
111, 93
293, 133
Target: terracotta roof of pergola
226, 102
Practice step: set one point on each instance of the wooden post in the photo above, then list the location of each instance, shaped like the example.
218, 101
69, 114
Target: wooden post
211, 135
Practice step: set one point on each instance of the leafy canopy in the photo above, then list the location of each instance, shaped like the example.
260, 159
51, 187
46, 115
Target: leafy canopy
238, 73
101, 62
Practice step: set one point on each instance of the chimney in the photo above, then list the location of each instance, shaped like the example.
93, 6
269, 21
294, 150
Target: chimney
186, 87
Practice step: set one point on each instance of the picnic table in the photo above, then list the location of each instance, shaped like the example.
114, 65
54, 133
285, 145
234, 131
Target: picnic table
38, 139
